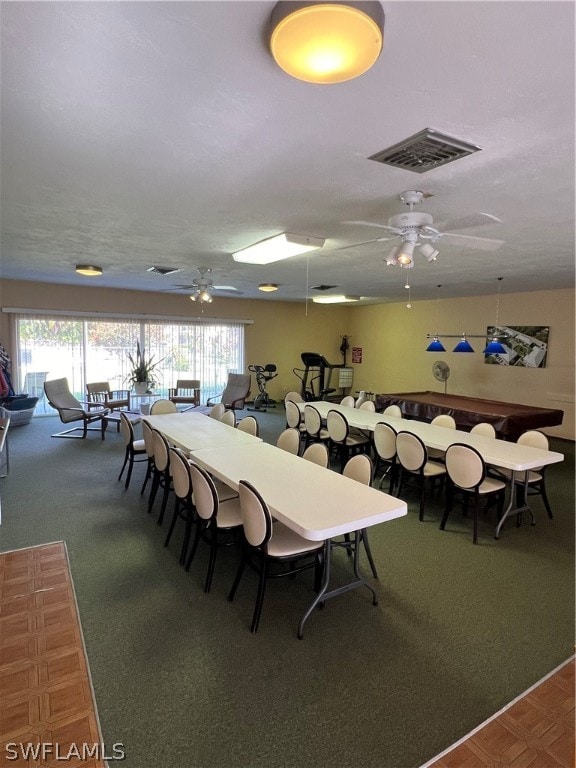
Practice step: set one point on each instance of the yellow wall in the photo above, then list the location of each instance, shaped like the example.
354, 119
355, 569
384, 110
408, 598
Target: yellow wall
393, 341
392, 338
279, 333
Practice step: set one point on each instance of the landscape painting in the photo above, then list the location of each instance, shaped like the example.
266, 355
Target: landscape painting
526, 345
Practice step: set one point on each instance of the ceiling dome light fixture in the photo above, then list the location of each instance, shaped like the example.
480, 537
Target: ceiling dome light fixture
268, 287
89, 270
326, 42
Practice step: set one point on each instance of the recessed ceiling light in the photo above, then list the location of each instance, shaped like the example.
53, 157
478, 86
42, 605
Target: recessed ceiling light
89, 270
268, 287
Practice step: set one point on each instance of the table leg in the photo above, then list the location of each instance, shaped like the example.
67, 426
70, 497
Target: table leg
510, 509
324, 595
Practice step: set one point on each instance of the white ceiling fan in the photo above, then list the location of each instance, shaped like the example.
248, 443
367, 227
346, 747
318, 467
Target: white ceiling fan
203, 287
416, 229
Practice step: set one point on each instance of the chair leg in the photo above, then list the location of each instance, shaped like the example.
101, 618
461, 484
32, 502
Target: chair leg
422, 498
187, 534
194, 546
476, 513
153, 490
173, 521
147, 476
238, 576
263, 576
213, 551
129, 473
164, 497
448, 507
125, 462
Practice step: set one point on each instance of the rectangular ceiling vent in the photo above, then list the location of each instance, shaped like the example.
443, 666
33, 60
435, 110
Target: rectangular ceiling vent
424, 151
322, 287
163, 270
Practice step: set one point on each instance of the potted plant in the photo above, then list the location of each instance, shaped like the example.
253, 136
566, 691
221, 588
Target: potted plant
141, 376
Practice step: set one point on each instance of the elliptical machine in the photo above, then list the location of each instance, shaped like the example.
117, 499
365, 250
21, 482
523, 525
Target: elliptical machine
264, 374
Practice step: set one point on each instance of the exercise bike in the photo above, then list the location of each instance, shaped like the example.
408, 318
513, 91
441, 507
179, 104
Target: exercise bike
264, 374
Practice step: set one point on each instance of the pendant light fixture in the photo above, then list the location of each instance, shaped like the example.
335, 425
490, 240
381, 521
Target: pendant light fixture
494, 346
463, 345
436, 345
326, 42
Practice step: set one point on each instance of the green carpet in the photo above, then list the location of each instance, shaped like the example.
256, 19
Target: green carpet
179, 680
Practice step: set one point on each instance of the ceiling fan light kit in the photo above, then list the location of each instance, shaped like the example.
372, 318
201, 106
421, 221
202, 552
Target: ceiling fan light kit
276, 248
326, 42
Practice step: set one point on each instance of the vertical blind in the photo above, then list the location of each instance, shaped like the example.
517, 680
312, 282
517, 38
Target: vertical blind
86, 349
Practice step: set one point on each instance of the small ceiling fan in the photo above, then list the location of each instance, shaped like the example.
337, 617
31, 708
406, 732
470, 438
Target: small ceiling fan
415, 230
203, 287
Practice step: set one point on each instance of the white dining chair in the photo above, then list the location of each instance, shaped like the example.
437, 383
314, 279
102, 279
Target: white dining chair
289, 440
393, 410
249, 425
228, 418
413, 460
317, 453
467, 474
483, 428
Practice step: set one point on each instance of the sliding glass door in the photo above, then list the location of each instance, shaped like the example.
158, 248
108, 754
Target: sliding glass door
91, 349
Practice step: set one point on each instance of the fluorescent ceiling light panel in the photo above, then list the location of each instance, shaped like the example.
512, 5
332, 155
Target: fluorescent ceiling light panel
334, 299
277, 248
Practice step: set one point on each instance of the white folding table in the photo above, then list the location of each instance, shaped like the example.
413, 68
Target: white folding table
191, 431
495, 452
317, 503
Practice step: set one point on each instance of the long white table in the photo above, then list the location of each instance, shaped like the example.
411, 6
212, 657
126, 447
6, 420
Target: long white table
191, 431
495, 452
315, 502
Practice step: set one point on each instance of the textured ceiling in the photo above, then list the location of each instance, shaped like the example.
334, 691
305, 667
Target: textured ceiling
158, 133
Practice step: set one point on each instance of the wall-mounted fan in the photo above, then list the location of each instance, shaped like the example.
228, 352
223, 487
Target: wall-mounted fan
415, 230
441, 372
203, 287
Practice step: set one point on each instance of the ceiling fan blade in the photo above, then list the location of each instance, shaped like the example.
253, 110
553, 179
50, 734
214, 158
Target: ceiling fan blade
357, 245
372, 224
467, 241
468, 222
226, 289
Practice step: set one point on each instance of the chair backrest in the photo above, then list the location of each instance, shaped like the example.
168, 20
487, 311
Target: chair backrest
248, 424
229, 418
126, 429
293, 414
217, 411
367, 405
205, 493
444, 420
147, 434
237, 390
484, 428
180, 471
317, 453
411, 451
337, 426
535, 439
161, 451
312, 420
385, 441
162, 406
187, 384
59, 396
465, 466
256, 517
360, 468
348, 401
293, 397
98, 391
362, 398
393, 410
289, 440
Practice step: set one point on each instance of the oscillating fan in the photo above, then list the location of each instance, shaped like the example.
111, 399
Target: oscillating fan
441, 372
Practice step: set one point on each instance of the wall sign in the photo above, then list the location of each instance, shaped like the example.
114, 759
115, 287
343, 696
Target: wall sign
356, 354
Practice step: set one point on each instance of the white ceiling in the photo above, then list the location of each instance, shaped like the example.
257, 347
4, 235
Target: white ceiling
163, 133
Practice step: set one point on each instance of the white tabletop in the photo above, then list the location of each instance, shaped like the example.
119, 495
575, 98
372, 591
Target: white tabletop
498, 453
315, 502
191, 431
